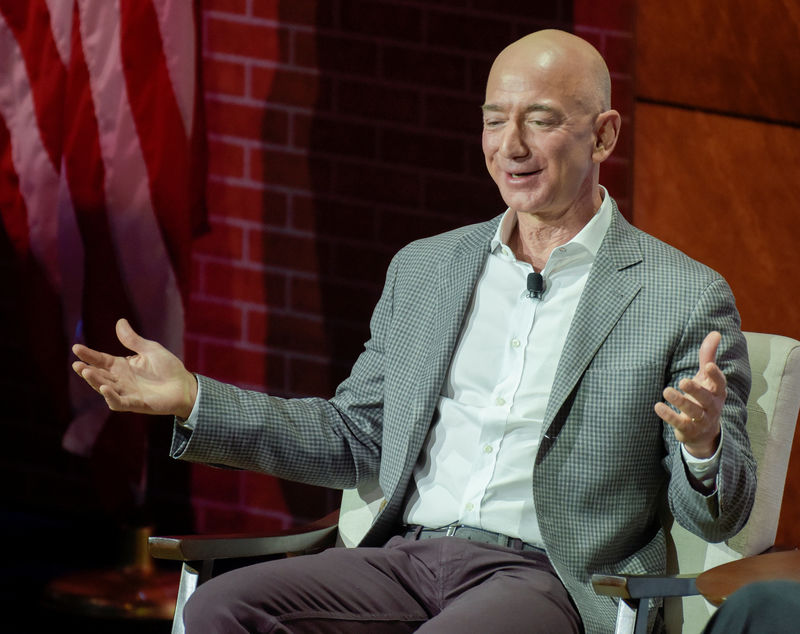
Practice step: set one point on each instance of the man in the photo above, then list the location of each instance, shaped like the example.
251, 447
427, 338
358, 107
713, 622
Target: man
513, 433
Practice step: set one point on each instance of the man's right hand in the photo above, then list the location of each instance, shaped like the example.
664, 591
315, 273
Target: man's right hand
152, 381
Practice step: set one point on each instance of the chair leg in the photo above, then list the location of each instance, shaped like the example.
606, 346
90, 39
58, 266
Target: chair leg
630, 619
193, 573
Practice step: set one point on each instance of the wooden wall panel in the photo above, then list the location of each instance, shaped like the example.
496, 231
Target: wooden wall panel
721, 189
726, 191
734, 56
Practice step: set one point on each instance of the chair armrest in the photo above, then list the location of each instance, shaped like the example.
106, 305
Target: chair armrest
206, 547
644, 586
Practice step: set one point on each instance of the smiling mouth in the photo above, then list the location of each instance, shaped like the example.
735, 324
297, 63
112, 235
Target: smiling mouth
523, 174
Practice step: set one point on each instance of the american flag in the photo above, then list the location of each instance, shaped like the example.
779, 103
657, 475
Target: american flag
102, 168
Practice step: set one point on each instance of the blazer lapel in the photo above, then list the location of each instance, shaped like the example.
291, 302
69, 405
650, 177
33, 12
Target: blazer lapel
457, 277
608, 292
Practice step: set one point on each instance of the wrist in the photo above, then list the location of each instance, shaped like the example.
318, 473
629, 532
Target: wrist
190, 396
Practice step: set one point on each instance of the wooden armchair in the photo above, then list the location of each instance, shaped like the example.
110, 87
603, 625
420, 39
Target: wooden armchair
772, 410
772, 407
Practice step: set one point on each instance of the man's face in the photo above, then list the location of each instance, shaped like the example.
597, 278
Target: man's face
538, 135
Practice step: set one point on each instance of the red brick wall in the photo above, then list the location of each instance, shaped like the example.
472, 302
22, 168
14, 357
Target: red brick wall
339, 130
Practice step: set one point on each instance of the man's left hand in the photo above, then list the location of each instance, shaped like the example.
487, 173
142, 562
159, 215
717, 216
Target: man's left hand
699, 402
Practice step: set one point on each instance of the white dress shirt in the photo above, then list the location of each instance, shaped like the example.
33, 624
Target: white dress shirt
477, 464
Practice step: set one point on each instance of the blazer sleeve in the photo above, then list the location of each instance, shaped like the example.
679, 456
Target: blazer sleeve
333, 443
721, 515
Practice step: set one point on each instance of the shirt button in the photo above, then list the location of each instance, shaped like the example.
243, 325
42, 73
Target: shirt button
469, 506
488, 449
515, 343
562, 249
500, 400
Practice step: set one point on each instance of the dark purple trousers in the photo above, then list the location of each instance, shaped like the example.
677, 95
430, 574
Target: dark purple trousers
446, 584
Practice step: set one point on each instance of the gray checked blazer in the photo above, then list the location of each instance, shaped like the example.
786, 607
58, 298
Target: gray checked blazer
606, 463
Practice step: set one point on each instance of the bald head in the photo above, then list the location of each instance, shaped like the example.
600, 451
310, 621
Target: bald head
566, 59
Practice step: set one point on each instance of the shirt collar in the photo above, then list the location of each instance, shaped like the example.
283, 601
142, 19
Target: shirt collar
590, 237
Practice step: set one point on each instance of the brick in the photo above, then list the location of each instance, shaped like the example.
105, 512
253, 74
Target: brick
622, 97
242, 38
424, 67
478, 73
286, 169
311, 378
361, 263
347, 341
221, 77
213, 484
331, 135
271, 9
225, 159
457, 114
333, 218
388, 21
368, 182
515, 9
291, 333
258, 123
240, 366
468, 200
223, 240
617, 15
262, 492
244, 284
336, 299
338, 55
228, 6
247, 203
426, 151
378, 102
191, 358
468, 33
616, 176
619, 54
215, 319
283, 86
398, 228
298, 12
290, 252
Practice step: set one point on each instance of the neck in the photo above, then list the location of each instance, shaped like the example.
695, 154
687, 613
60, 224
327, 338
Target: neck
534, 237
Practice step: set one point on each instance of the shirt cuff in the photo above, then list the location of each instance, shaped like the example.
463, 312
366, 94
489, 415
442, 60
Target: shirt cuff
704, 470
191, 422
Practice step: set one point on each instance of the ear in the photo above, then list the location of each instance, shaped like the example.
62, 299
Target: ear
606, 133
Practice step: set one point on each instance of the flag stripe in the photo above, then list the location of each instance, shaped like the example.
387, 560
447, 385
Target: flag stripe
30, 24
12, 204
37, 177
103, 288
159, 126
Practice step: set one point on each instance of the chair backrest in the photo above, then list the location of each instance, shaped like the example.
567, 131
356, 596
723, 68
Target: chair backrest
359, 507
772, 410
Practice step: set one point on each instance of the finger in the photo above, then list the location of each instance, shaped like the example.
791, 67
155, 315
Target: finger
687, 403
708, 349
129, 338
714, 380
114, 401
92, 357
96, 377
670, 416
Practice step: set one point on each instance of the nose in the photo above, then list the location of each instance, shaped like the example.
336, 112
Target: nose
513, 145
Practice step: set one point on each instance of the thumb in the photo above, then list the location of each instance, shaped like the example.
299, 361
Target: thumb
129, 338
708, 349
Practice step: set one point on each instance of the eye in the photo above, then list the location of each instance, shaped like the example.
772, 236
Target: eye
492, 123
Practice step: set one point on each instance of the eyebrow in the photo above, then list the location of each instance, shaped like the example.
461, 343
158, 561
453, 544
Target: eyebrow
537, 107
